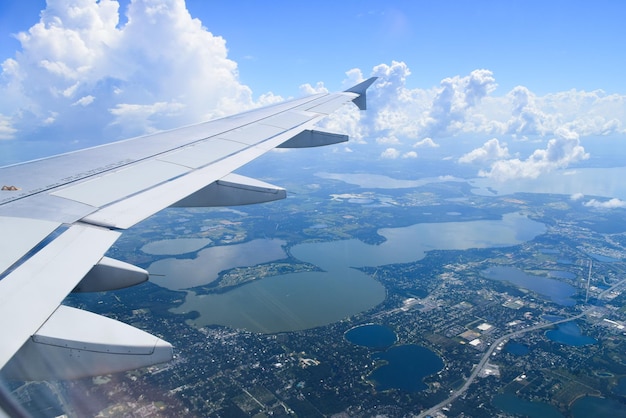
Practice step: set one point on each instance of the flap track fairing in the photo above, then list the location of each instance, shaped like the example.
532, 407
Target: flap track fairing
74, 344
111, 274
312, 138
233, 190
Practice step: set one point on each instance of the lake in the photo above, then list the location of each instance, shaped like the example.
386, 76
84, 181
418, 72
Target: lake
588, 181
559, 292
372, 336
569, 333
620, 388
175, 246
304, 300
590, 406
516, 348
511, 404
406, 368
183, 273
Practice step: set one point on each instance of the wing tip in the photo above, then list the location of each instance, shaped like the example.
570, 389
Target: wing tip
360, 89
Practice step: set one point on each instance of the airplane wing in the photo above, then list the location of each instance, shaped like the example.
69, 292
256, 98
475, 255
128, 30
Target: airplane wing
59, 216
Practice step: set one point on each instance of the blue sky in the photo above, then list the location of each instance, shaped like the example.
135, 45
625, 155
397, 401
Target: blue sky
530, 82
546, 46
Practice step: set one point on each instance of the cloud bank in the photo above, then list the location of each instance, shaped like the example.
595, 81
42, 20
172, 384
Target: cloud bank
160, 69
83, 75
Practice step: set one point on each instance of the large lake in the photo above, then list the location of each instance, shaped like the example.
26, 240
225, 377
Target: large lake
305, 300
588, 181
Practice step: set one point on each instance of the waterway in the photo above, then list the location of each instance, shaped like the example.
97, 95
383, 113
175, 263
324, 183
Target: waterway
305, 300
559, 292
406, 367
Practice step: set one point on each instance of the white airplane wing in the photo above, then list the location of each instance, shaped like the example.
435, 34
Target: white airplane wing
59, 216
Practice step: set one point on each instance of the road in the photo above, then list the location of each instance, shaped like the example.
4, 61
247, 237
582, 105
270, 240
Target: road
455, 394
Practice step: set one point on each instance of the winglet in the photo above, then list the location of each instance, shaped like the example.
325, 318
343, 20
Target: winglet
360, 89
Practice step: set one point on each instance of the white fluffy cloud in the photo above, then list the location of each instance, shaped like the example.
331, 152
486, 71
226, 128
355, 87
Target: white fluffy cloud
608, 204
491, 150
426, 142
390, 154
559, 153
393, 154
81, 72
466, 105
158, 70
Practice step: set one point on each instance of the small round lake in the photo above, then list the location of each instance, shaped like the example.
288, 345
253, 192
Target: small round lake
371, 336
569, 333
516, 348
405, 369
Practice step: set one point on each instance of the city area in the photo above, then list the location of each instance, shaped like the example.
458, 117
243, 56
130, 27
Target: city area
532, 325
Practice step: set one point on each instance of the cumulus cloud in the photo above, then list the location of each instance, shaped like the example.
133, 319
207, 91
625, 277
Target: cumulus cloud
390, 154
466, 104
426, 142
6, 130
453, 100
393, 154
391, 139
160, 69
608, 204
576, 196
307, 89
85, 71
526, 117
559, 153
491, 150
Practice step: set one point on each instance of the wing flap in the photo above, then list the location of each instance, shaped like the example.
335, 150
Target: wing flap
31, 233
31, 292
233, 190
74, 343
312, 138
128, 212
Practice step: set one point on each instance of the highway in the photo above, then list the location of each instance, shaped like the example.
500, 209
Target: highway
455, 394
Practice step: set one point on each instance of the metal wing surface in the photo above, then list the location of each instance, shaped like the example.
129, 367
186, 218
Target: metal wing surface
59, 216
